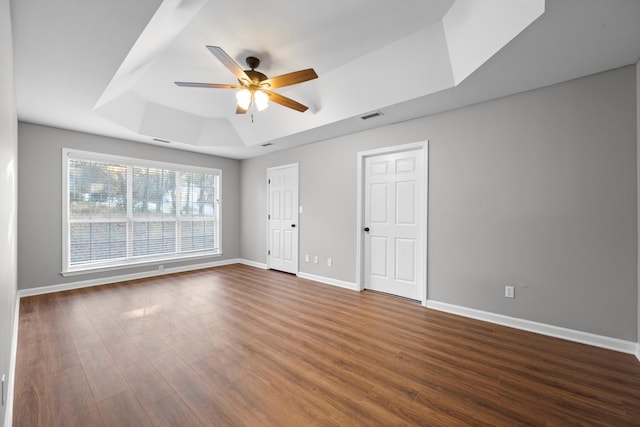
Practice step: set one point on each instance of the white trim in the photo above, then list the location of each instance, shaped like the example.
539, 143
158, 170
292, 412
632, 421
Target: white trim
540, 328
135, 161
144, 263
638, 351
394, 149
253, 263
425, 222
115, 279
359, 221
421, 145
8, 415
329, 281
65, 209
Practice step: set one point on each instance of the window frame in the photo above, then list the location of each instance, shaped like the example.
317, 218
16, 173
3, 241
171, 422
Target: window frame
133, 261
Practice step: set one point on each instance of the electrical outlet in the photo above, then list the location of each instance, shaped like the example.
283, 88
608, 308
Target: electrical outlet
306, 258
328, 262
509, 292
315, 259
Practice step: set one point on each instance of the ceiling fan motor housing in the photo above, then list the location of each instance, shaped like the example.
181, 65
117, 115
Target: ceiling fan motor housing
255, 76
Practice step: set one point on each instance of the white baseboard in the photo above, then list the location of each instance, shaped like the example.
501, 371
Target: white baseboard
8, 415
122, 278
253, 263
539, 328
329, 281
321, 279
638, 351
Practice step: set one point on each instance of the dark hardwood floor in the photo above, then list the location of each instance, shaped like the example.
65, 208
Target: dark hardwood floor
239, 346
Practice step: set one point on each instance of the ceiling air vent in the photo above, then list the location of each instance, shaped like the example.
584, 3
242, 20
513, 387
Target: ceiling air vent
371, 115
162, 140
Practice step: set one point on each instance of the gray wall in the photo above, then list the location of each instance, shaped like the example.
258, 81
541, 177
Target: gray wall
536, 189
8, 195
638, 188
40, 202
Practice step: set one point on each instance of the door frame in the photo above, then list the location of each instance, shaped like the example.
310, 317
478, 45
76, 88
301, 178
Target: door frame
424, 209
297, 213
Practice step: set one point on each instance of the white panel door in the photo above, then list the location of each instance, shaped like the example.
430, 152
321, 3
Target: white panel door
282, 252
393, 201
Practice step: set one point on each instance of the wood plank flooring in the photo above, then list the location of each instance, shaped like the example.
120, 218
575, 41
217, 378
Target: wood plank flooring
239, 346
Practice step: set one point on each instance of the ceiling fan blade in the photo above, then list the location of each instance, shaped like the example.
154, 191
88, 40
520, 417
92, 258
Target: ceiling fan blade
209, 85
240, 110
229, 62
286, 102
291, 78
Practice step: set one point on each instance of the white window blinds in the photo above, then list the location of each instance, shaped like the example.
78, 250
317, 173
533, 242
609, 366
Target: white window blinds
122, 211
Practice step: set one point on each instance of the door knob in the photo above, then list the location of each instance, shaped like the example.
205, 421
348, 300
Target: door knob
293, 225
366, 229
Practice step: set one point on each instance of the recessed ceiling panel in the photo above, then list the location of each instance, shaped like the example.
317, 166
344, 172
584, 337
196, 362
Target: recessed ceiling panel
365, 60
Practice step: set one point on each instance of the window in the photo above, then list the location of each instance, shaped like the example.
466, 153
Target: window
119, 211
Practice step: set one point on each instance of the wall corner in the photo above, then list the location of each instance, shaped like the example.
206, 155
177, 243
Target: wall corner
638, 196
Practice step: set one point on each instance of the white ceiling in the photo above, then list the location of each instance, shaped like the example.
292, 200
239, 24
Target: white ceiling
108, 67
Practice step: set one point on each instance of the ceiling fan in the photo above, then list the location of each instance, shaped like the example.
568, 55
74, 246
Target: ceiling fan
255, 87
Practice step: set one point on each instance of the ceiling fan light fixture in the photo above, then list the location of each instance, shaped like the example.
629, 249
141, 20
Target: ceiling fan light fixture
261, 99
244, 98
254, 88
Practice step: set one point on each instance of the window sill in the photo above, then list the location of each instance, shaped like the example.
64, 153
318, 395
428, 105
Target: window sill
157, 261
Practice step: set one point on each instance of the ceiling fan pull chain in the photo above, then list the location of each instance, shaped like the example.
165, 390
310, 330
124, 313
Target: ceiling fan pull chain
252, 104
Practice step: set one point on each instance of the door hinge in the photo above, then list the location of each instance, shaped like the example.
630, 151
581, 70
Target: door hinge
268, 181
269, 216
269, 252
